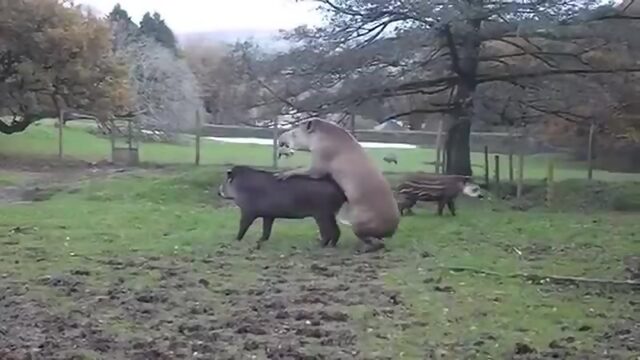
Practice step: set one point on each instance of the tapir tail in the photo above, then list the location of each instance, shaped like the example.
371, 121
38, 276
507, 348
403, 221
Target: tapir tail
343, 215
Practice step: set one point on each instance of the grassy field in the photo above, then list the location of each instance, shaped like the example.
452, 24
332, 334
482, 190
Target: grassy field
143, 264
43, 141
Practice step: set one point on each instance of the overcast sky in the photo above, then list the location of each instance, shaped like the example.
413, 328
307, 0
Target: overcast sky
185, 16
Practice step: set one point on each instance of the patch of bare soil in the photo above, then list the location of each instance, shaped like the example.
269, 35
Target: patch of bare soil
298, 309
622, 339
44, 177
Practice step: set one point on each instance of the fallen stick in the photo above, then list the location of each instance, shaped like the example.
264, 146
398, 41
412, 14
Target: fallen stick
540, 278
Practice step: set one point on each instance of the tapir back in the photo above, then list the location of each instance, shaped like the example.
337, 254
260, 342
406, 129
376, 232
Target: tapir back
260, 192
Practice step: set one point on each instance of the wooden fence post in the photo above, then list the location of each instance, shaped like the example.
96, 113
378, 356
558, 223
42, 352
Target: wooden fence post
352, 124
130, 134
511, 150
443, 168
198, 131
592, 129
439, 162
60, 132
113, 139
486, 166
550, 183
275, 143
520, 173
497, 174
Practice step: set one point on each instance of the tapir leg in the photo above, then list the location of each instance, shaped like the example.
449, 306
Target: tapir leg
326, 229
267, 225
441, 204
406, 204
372, 244
452, 207
336, 232
245, 222
329, 230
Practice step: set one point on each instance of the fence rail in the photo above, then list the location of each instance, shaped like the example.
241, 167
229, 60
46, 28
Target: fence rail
502, 143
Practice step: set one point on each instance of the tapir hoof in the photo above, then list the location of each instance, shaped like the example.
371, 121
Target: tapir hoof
407, 212
323, 243
372, 247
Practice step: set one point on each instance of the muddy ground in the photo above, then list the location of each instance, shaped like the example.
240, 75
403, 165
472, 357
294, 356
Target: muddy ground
294, 311
300, 307
42, 178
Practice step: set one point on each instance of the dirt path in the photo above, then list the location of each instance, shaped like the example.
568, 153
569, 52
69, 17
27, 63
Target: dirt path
297, 309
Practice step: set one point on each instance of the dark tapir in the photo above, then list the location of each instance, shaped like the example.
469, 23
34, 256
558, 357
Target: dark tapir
259, 194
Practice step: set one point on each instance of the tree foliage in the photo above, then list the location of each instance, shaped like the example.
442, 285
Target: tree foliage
164, 92
502, 61
123, 28
155, 28
54, 56
230, 93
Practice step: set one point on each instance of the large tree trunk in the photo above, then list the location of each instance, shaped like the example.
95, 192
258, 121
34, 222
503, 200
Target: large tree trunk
464, 62
457, 148
457, 145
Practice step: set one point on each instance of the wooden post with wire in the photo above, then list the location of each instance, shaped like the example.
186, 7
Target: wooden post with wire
520, 173
60, 132
550, 170
198, 132
352, 124
275, 143
439, 154
592, 130
497, 174
511, 151
486, 166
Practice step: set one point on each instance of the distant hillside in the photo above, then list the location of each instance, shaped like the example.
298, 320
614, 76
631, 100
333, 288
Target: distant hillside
268, 39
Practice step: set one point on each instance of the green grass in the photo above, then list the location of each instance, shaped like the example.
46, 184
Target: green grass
178, 216
42, 140
9, 178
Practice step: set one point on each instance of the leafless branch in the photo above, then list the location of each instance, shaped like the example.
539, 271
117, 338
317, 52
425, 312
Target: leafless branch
440, 110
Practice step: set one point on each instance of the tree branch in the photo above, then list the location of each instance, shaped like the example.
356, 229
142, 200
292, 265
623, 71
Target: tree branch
453, 50
554, 72
525, 51
442, 110
564, 115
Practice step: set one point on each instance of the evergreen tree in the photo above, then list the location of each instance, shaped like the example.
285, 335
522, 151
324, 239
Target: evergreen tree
119, 14
124, 29
155, 27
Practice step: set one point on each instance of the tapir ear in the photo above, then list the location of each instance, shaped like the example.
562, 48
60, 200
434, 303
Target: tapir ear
310, 126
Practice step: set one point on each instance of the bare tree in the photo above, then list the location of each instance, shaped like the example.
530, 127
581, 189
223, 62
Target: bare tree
230, 89
448, 54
